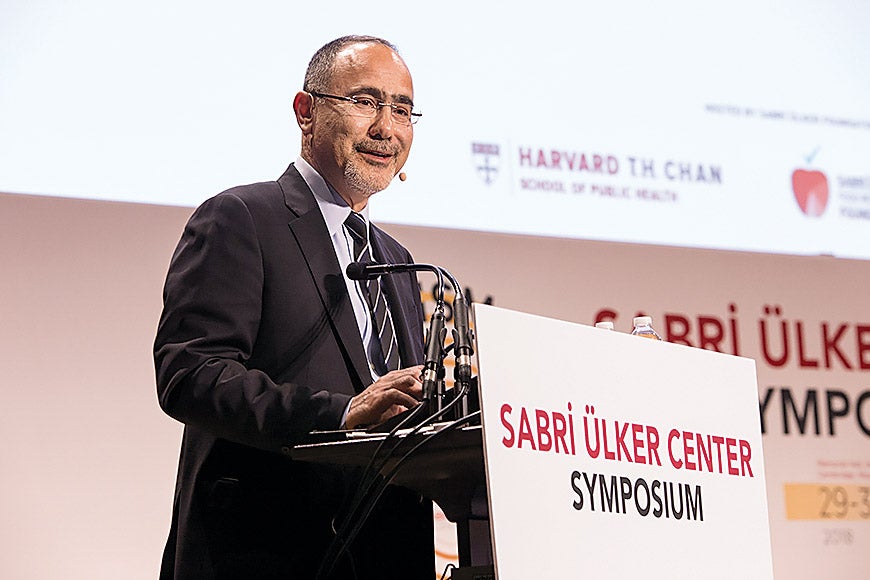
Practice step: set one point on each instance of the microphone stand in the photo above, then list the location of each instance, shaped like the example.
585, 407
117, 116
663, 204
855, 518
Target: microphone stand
373, 482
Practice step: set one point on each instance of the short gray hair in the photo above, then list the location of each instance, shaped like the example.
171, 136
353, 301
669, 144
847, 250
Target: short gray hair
319, 71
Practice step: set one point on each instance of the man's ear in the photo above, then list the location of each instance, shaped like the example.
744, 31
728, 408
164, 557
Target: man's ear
303, 106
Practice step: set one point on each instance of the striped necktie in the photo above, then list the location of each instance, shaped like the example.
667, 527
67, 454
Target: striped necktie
383, 353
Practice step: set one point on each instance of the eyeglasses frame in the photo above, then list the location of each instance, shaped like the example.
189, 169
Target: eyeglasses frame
412, 119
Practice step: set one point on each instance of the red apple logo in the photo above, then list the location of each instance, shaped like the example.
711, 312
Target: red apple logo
810, 190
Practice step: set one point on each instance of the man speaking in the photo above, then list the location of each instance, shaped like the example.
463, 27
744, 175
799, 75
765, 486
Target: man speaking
263, 339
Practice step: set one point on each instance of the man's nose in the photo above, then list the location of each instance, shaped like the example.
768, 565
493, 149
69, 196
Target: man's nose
382, 123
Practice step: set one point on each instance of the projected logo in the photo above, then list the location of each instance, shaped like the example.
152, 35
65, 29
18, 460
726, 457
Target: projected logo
810, 189
487, 159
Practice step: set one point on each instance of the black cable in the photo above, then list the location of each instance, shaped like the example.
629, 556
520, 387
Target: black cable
331, 557
382, 487
450, 566
364, 498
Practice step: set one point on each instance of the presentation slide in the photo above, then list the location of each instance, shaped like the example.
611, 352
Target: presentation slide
741, 126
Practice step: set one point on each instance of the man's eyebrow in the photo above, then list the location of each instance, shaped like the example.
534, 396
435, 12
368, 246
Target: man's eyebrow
379, 94
405, 100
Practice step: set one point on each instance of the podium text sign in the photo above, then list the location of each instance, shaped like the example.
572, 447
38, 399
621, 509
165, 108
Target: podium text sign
613, 456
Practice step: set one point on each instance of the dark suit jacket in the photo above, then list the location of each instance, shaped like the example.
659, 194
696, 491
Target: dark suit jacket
258, 345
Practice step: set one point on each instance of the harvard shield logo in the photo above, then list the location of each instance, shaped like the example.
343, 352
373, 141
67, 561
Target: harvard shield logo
486, 158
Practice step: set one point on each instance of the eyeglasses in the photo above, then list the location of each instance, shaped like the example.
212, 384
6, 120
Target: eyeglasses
369, 107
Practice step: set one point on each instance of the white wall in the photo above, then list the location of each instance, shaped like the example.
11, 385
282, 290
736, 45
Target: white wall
88, 459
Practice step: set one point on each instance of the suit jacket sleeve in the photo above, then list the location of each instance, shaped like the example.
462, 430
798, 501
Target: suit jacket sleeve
212, 314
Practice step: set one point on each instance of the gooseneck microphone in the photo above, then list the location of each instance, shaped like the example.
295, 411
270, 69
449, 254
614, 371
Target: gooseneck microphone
434, 348
463, 338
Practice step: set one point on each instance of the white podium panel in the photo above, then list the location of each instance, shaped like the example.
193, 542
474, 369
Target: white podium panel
612, 456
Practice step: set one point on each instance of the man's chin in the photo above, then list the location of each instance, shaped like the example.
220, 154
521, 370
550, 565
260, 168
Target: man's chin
368, 182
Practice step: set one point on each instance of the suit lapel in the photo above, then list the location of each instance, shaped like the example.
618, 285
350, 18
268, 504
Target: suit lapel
310, 232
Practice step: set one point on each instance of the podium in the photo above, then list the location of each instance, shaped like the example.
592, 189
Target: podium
600, 454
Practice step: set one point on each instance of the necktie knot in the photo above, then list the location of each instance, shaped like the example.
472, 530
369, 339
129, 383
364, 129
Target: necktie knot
356, 223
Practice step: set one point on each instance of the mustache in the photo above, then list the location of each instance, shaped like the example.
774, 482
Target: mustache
377, 147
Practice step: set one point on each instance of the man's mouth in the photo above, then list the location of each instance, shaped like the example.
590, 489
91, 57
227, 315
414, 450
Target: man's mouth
377, 153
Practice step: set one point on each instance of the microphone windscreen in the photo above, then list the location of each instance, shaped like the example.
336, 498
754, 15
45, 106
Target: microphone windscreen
356, 271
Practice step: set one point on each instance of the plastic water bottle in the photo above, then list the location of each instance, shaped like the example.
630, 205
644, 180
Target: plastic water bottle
643, 327
606, 325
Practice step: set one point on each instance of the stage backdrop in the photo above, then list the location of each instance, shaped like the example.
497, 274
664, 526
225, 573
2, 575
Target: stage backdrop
88, 459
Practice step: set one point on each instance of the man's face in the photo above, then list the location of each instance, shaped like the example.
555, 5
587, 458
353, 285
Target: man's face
359, 156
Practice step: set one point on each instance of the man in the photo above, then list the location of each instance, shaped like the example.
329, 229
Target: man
264, 339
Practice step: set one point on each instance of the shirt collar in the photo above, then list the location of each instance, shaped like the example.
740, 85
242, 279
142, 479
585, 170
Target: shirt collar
333, 207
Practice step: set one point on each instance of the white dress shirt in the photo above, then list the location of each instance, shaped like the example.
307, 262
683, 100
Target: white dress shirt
335, 211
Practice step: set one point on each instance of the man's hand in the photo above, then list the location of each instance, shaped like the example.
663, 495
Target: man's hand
393, 393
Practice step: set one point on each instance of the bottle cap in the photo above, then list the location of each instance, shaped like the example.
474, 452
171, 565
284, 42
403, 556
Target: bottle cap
606, 325
642, 320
